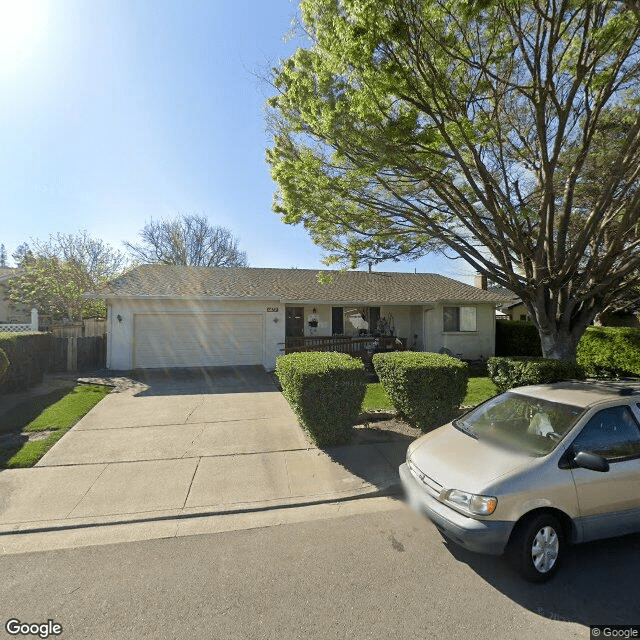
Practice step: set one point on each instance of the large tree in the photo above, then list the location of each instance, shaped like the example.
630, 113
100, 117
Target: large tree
94, 256
56, 288
188, 240
410, 126
57, 272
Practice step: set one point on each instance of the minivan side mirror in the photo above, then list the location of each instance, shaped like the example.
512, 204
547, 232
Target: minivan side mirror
591, 461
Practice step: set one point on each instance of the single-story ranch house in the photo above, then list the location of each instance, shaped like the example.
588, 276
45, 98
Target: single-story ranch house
179, 316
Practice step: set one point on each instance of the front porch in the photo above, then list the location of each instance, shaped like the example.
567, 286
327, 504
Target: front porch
362, 347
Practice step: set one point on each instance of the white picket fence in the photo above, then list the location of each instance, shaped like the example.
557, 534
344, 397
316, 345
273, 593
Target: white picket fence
22, 328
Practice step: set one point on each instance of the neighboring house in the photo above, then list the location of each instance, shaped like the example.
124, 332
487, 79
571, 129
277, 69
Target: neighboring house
512, 307
515, 311
11, 312
178, 316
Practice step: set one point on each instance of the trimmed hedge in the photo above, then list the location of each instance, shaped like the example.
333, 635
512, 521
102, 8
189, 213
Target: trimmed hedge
426, 389
4, 364
517, 338
602, 351
520, 371
610, 351
29, 355
325, 390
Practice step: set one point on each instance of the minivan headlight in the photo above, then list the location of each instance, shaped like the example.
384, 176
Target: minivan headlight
471, 503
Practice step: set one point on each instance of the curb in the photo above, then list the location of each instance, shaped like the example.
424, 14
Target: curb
394, 490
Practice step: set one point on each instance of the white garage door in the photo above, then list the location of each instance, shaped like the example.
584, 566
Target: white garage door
197, 340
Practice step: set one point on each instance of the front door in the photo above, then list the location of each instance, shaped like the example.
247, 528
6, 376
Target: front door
337, 321
294, 322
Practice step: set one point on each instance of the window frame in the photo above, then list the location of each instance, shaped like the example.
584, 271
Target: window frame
459, 318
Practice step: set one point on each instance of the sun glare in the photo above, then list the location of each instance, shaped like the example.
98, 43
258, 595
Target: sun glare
20, 28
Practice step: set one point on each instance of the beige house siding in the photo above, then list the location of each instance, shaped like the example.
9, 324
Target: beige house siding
421, 326
470, 345
519, 312
121, 335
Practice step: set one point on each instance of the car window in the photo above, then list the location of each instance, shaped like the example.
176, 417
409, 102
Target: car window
524, 423
612, 433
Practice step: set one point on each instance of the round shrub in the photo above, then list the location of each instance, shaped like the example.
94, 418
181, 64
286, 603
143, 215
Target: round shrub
426, 389
325, 391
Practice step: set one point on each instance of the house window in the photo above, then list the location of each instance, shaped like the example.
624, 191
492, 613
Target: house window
457, 319
337, 321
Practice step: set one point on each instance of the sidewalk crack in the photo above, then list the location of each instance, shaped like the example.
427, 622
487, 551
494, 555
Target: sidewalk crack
193, 410
87, 491
184, 504
193, 442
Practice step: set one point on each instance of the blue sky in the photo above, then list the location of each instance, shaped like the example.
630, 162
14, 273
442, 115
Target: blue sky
116, 111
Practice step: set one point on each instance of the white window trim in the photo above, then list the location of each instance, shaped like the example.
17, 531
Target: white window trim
460, 307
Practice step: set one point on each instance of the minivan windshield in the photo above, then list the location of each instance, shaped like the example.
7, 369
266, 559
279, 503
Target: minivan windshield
521, 423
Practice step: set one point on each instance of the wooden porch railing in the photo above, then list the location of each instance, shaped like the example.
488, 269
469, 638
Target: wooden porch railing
361, 347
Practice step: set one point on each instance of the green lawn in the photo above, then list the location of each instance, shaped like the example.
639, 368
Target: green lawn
56, 412
478, 390
376, 398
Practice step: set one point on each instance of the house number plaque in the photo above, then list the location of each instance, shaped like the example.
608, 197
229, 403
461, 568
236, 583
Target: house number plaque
272, 309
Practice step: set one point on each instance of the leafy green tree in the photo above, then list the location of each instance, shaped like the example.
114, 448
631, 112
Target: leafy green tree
56, 288
476, 129
56, 273
187, 240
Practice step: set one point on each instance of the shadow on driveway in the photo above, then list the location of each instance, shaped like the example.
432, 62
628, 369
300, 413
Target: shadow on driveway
597, 583
373, 455
19, 409
195, 381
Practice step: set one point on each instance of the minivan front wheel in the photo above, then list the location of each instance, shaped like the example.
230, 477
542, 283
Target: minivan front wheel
537, 547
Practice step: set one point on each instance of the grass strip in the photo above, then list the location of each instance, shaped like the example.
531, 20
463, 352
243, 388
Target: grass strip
56, 412
479, 389
68, 410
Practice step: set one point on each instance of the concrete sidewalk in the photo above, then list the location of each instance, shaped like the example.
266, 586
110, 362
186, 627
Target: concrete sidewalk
155, 454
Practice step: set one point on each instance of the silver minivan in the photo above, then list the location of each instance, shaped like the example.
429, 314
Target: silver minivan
532, 470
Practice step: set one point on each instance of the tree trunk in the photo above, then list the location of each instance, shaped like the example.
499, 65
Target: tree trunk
560, 345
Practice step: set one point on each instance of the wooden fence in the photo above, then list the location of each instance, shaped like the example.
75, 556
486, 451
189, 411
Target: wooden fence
88, 328
79, 354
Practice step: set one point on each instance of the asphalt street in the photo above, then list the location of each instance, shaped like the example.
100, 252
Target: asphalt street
379, 574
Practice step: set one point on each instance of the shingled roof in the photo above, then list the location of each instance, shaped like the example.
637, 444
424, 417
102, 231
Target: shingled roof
291, 285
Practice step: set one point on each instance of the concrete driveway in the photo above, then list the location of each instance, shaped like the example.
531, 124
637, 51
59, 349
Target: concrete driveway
187, 443
183, 414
